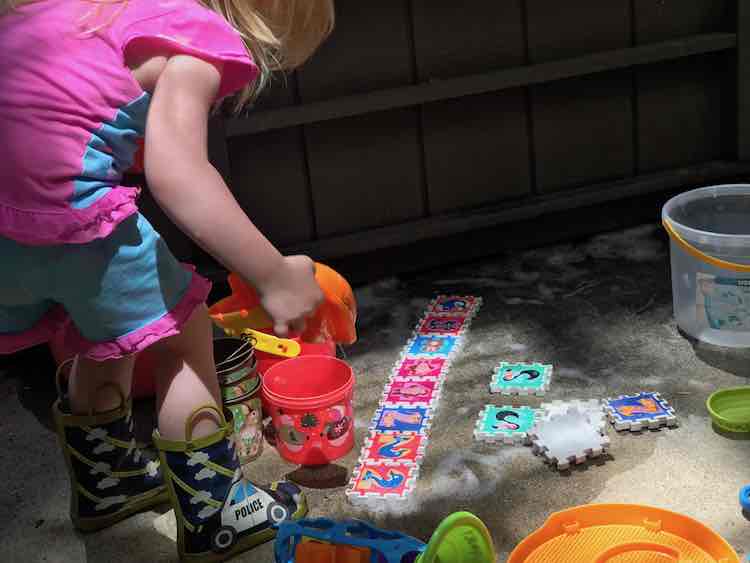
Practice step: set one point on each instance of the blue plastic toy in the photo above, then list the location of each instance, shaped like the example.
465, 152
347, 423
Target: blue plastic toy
745, 498
460, 538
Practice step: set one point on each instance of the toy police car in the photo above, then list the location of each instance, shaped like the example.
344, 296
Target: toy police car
250, 509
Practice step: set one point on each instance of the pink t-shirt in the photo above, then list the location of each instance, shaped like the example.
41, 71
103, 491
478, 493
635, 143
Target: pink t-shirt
71, 111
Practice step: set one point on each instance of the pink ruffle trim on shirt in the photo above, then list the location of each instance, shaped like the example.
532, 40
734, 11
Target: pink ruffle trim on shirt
76, 226
40, 333
138, 340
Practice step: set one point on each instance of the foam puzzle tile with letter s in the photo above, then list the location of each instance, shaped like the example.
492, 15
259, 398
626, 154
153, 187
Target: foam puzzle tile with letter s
521, 379
506, 424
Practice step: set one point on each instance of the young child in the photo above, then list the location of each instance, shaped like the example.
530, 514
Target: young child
78, 79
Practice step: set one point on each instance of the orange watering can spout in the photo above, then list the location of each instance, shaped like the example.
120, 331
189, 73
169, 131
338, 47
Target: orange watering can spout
334, 320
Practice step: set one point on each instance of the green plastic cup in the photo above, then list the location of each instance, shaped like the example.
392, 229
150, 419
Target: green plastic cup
730, 409
460, 538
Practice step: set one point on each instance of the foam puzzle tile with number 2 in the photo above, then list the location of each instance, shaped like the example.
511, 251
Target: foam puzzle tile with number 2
640, 411
378, 481
394, 448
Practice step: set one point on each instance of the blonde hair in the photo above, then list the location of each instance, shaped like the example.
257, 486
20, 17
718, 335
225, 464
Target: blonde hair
280, 35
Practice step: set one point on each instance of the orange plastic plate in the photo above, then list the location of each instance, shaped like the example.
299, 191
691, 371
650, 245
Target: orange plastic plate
623, 533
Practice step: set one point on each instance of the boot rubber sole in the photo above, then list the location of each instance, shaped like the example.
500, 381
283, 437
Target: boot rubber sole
100, 522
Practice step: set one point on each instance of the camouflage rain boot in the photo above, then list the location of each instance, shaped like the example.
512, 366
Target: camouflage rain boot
219, 513
111, 475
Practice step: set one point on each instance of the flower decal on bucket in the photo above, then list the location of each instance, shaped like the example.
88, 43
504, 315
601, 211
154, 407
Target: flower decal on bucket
293, 438
309, 420
338, 426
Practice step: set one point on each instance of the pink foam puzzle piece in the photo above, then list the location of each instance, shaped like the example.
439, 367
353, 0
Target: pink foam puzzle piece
422, 368
411, 392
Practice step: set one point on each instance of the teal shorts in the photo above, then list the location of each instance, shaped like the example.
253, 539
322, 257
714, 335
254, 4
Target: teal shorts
111, 297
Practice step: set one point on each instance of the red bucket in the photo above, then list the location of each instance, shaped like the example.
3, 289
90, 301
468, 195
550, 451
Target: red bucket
267, 361
309, 399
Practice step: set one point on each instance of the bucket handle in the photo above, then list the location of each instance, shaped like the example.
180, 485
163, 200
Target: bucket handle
702, 256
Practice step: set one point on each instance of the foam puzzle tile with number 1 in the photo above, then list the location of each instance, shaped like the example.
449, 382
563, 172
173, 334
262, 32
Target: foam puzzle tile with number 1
399, 418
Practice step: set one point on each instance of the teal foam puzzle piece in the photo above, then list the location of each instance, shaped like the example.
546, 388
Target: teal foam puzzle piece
506, 424
521, 379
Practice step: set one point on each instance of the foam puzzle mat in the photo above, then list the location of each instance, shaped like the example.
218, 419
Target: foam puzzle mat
390, 459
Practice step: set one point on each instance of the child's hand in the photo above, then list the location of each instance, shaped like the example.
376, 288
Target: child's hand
291, 294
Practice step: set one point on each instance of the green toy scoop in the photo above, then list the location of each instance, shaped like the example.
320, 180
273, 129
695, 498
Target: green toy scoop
460, 538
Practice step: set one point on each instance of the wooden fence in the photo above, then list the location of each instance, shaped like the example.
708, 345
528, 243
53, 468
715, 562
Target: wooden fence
427, 118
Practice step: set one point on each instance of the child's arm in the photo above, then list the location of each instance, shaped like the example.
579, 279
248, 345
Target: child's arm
195, 197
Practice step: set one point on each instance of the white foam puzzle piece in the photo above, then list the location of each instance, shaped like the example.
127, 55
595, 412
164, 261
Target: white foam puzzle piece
594, 409
568, 438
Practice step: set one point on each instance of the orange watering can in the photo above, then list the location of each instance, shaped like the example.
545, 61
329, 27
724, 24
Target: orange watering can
334, 320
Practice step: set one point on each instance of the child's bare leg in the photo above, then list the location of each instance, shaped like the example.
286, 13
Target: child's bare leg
93, 386
186, 379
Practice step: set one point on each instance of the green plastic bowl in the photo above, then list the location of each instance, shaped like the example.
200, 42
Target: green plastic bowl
730, 409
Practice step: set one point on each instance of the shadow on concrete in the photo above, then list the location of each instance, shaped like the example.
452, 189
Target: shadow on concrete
330, 476
736, 436
731, 360
34, 373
